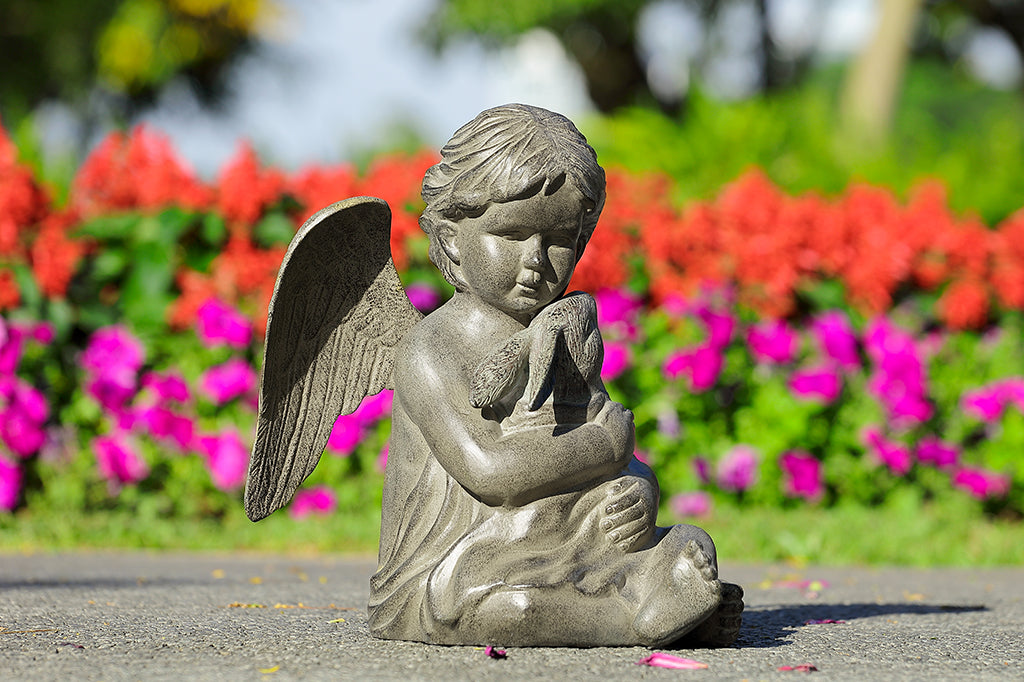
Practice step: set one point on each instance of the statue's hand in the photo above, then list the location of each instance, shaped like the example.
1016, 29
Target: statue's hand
629, 512
618, 423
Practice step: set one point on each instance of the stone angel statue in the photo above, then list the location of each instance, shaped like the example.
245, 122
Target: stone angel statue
514, 510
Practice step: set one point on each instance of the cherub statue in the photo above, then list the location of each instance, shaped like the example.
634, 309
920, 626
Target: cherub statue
514, 510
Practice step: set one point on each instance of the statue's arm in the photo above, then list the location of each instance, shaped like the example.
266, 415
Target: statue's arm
503, 469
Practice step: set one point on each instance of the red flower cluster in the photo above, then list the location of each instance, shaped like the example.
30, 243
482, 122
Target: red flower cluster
768, 244
771, 245
139, 170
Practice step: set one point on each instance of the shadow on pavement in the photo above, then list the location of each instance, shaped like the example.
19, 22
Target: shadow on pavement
771, 626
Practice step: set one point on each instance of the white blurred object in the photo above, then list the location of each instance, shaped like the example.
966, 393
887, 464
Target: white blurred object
993, 59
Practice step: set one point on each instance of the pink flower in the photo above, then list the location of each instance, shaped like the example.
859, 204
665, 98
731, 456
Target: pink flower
346, 434
319, 500
617, 311
662, 660
616, 360
818, 383
697, 503
801, 475
10, 484
835, 336
228, 381
218, 324
423, 296
117, 459
772, 342
112, 388
899, 380
933, 451
374, 408
701, 364
12, 341
168, 386
737, 470
981, 484
382, 458
112, 347
23, 413
720, 326
895, 456
985, 404
227, 458
166, 425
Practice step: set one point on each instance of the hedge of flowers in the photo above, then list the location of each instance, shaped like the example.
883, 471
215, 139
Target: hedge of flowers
776, 349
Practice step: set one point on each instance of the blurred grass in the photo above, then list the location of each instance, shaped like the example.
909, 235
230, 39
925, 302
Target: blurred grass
895, 534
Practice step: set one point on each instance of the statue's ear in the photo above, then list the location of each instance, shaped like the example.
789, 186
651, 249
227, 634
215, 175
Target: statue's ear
447, 236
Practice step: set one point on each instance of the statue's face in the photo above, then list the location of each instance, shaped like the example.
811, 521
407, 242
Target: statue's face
518, 256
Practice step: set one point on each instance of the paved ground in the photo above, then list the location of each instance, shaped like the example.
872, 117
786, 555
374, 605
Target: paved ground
155, 617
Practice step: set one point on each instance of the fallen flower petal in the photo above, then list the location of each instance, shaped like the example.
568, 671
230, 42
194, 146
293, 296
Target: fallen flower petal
825, 621
802, 668
662, 660
495, 652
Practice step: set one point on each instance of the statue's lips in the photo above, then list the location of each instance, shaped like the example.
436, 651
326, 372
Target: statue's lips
528, 290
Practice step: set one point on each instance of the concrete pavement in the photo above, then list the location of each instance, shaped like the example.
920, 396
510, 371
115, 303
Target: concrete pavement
172, 616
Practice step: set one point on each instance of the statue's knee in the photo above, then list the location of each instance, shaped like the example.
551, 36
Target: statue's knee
685, 533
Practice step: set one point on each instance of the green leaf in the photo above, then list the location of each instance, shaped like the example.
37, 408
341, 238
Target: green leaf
31, 296
147, 291
213, 229
116, 226
273, 230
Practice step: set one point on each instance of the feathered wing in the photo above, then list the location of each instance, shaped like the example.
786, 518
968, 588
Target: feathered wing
337, 313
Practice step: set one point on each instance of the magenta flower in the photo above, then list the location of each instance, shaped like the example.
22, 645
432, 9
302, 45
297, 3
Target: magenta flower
227, 458
986, 403
12, 343
720, 326
981, 484
111, 347
23, 413
167, 386
374, 408
801, 475
382, 457
1012, 391
117, 459
697, 503
702, 467
836, 338
895, 456
166, 425
899, 380
701, 364
423, 296
616, 360
113, 388
228, 381
346, 434
817, 383
10, 484
772, 342
218, 324
933, 451
617, 312
737, 470
319, 500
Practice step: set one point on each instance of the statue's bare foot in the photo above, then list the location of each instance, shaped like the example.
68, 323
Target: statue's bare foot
723, 626
688, 597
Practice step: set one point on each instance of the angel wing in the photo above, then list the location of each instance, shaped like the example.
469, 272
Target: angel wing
337, 313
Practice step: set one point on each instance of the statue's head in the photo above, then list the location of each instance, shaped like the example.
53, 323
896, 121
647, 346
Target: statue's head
505, 154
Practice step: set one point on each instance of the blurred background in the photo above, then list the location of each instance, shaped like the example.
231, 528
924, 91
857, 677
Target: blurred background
810, 269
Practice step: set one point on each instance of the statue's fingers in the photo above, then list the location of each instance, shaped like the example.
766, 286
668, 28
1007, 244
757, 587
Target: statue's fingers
630, 530
626, 501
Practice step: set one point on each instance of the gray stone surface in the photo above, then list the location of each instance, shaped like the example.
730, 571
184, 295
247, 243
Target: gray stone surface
156, 617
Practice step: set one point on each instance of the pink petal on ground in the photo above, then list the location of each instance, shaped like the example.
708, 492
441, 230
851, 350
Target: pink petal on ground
824, 621
802, 668
495, 652
662, 660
